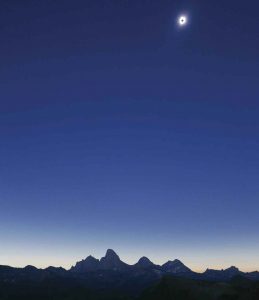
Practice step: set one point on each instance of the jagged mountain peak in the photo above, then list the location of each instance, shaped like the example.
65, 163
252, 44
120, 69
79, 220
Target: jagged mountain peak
144, 262
178, 261
144, 259
173, 262
232, 268
89, 264
30, 268
175, 266
224, 274
91, 258
111, 254
111, 261
232, 271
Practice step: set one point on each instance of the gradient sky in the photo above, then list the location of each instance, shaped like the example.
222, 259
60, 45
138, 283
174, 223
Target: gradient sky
118, 130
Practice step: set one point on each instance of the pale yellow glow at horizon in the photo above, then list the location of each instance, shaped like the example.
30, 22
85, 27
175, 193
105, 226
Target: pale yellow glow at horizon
59, 253
67, 261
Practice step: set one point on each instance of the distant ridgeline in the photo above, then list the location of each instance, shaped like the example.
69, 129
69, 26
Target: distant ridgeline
111, 278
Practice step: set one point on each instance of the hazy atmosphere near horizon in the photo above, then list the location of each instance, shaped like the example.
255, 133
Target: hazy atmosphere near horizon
130, 125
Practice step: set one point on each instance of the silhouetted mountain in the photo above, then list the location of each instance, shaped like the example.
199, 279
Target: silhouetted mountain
175, 267
110, 274
252, 275
87, 265
224, 275
111, 261
144, 262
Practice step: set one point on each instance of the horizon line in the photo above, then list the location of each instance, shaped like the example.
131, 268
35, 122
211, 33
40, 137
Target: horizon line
129, 264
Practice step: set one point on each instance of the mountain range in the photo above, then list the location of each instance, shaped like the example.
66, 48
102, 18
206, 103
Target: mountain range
108, 274
111, 265
112, 262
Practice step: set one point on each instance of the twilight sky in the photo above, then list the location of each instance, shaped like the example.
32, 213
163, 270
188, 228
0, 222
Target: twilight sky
120, 130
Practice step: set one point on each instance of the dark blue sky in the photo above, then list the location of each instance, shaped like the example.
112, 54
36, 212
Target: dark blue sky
119, 130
